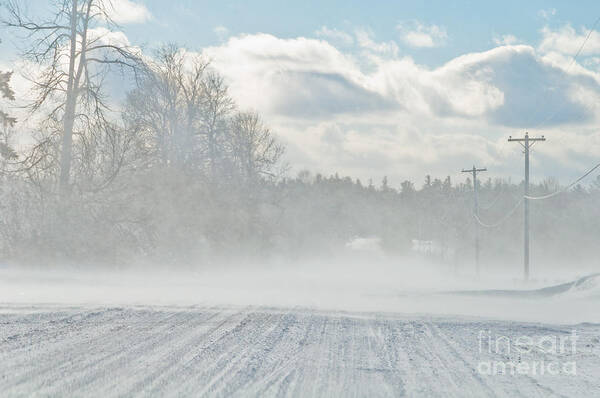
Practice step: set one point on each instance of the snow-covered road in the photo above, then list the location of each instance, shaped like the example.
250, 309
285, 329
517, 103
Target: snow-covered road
257, 351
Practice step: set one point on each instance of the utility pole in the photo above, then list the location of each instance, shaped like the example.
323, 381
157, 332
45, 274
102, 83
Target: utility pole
526, 143
474, 171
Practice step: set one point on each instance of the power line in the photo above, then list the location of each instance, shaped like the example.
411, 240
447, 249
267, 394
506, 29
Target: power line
493, 203
581, 47
584, 42
571, 185
502, 220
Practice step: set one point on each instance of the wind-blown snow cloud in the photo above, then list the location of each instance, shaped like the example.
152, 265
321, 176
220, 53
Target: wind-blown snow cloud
310, 78
417, 34
129, 12
396, 117
295, 77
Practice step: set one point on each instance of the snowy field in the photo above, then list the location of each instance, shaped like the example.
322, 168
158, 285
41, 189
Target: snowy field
99, 337
258, 352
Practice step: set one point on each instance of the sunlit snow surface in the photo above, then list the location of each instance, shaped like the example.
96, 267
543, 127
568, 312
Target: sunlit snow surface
320, 330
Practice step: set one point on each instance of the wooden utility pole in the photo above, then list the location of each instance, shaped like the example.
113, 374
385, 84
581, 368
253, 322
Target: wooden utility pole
526, 142
474, 171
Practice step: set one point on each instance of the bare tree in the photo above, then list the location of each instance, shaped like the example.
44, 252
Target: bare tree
74, 49
6, 121
217, 107
254, 149
166, 107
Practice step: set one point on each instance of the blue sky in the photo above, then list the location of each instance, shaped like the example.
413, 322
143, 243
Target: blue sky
402, 88
471, 25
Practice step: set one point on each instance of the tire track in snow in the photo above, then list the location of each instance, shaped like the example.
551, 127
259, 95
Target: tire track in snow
131, 358
259, 352
166, 375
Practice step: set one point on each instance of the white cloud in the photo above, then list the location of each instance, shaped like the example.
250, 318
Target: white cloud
310, 78
592, 63
129, 12
336, 115
417, 34
107, 36
548, 13
263, 70
221, 31
567, 40
365, 40
335, 35
506, 40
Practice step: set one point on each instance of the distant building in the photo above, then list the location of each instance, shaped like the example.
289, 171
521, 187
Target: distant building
365, 245
432, 248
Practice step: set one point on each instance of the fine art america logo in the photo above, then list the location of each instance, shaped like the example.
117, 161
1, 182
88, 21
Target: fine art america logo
527, 355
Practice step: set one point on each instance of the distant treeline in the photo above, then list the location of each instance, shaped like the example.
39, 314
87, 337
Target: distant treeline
325, 213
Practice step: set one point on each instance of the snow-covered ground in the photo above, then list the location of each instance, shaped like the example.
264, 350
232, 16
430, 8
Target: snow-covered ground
321, 333
259, 352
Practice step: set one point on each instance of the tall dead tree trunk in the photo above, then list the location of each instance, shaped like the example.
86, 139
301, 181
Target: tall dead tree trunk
74, 93
69, 116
